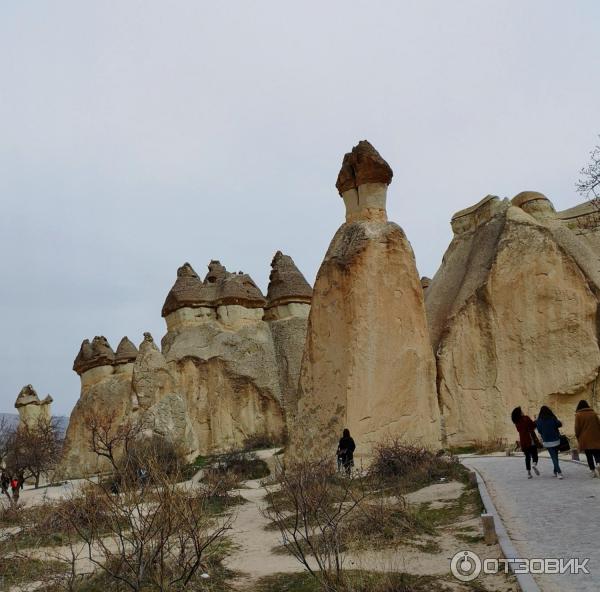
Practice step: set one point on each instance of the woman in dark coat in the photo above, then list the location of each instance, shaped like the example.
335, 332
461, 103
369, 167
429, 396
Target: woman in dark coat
547, 425
345, 451
527, 439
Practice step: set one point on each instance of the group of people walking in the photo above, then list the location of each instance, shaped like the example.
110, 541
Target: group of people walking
11, 484
547, 425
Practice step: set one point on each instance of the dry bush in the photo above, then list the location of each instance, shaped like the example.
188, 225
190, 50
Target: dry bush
245, 465
411, 466
312, 509
262, 442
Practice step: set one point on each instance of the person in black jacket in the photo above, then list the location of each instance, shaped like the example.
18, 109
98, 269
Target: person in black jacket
345, 452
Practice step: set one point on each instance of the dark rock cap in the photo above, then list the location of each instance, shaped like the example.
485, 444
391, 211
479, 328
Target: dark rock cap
363, 165
126, 352
425, 282
92, 355
239, 288
28, 396
186, 291
286, 282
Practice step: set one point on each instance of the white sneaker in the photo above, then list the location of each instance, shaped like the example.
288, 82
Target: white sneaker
593, 474
554, 474
560, 476
535, 470
529, 476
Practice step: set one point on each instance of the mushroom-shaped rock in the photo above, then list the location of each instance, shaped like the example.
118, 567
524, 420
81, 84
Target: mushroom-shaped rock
92, 355
126, 352
363, 165
425, 282
186, 292
240, 289
362, 182
286, 282
31, 409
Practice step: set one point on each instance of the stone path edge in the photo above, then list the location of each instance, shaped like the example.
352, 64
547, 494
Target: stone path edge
525, 581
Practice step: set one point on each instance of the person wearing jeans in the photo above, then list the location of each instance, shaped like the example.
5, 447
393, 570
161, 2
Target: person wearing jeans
547, 425
527, 439
587, 431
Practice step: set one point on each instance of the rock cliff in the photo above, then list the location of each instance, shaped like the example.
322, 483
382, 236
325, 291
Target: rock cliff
512, 314
367, 362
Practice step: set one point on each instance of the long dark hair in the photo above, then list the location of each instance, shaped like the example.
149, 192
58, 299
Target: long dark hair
516, 415
545, 412
583, 404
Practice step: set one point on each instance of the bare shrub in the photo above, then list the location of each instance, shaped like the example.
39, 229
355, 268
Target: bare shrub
245, 465
262, 442
409, 465
312, 510
153, 536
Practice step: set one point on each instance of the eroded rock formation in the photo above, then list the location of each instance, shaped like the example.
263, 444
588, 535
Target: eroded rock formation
227, 370
512, 314
367, 363
31, 409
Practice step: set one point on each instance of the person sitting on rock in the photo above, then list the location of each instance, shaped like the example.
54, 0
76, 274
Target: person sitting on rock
527, 438
345, 452
587, 432
547, 425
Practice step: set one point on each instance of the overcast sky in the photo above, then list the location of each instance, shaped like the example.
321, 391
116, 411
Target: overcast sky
135, 136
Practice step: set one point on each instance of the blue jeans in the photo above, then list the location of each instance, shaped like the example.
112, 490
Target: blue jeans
554, 456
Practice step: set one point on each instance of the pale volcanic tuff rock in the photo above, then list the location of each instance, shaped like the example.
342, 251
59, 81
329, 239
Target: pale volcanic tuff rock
31, 409
106, 390
222, 355
367, 363
289, 296
512, 313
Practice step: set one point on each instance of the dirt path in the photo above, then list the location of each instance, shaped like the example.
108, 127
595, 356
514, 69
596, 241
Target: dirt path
253, 554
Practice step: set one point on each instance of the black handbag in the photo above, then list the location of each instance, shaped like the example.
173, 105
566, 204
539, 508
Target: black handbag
564, 445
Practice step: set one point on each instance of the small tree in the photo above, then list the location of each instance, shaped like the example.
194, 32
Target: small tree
589, 181
34, 449
312, 508
111, 439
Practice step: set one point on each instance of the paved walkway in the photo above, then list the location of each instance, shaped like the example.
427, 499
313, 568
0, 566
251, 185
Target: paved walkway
548, 518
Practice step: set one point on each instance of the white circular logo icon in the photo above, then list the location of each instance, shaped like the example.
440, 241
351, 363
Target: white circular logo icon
465, 566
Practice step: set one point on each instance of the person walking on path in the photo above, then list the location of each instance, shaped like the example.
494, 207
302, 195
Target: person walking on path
345, 452
547, 425
587, 432
527, 439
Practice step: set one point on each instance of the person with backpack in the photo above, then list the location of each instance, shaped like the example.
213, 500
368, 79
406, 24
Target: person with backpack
527, 439
345, 452
547, 425
587, 432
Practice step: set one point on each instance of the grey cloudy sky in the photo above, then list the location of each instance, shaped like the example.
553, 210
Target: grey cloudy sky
135, 136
